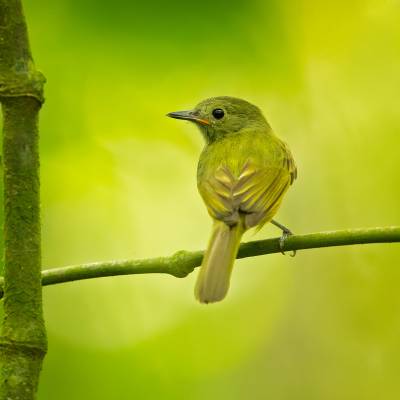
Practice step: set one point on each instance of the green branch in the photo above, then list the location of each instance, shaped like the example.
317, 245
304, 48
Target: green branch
23, 342
184, 262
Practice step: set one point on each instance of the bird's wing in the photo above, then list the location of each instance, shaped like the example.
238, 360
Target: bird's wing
254, 194
289, 162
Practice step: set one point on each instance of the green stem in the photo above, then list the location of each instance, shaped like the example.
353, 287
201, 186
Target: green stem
184, 262
23, 342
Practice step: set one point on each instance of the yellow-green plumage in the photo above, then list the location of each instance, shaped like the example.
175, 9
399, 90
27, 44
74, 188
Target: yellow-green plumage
243, 173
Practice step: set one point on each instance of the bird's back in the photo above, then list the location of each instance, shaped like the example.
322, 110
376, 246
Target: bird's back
244, 175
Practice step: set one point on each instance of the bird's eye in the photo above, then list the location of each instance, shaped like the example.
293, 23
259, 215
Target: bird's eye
218, 113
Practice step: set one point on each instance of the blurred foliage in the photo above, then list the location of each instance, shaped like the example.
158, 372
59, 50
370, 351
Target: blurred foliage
118, 181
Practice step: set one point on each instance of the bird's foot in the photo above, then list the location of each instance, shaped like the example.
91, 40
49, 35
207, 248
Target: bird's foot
286, 232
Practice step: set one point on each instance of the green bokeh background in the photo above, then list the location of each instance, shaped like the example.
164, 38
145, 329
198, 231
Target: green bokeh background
118, 181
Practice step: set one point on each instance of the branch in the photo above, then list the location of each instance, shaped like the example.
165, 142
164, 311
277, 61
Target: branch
23, 342
184, 262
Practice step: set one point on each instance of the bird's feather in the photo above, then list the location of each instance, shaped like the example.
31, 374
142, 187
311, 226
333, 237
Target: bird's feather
213, 280
249, 189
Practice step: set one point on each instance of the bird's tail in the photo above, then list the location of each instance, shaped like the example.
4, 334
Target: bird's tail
214, 276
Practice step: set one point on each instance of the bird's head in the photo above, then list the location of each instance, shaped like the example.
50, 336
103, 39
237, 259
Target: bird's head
220, 116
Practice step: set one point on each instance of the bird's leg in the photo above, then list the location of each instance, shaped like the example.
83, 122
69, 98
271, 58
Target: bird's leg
286, 232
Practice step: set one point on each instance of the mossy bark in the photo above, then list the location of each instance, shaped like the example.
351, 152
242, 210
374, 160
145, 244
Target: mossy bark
23, 341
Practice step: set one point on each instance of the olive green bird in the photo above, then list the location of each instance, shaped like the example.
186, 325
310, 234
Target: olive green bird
243, 172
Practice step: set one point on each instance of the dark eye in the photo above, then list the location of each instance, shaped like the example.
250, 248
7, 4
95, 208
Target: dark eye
218, 113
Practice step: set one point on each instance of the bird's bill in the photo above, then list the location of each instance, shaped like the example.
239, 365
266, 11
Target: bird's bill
189, 116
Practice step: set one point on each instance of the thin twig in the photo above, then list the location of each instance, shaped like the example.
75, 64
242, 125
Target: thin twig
184, 262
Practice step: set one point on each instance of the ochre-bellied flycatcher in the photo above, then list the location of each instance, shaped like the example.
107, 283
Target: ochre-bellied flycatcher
243, 173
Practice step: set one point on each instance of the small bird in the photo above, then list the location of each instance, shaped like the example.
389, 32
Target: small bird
243, 172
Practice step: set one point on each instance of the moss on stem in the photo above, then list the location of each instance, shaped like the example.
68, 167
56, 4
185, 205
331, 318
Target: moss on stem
23, 342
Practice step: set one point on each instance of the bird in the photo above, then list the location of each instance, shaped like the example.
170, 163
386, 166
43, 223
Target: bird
243, 174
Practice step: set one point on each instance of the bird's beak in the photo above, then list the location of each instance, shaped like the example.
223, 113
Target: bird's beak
189, 116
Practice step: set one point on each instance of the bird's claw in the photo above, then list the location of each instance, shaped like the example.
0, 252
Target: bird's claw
285, 234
